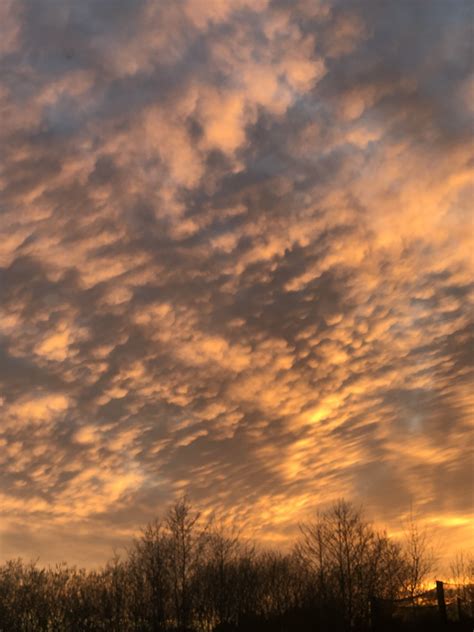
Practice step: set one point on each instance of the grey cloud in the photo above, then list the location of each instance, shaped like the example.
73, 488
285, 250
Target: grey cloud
255, 314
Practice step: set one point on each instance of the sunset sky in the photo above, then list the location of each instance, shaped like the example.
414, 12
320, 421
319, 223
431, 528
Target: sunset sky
236, 245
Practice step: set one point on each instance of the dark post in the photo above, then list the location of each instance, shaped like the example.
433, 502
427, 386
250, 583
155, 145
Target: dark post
441, 603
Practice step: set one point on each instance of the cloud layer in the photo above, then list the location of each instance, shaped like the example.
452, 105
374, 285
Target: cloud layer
235, 260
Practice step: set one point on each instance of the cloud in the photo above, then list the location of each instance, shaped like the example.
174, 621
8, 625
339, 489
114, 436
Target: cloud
235, 261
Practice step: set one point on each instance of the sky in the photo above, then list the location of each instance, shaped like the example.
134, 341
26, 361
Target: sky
236, 245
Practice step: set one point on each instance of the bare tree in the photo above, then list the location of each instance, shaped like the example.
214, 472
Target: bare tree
462, 576
350, 562
150, 577
186, 542
181, 574
419, 557
462, 568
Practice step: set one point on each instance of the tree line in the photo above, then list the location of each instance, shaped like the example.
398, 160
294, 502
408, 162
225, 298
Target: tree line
184, 575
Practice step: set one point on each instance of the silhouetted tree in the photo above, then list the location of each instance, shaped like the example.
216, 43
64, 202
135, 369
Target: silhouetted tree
350, 562
462, 577
186, 541
182, 574
150, 578
419, 557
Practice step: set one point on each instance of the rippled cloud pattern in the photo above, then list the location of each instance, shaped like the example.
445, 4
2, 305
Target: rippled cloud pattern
235, 261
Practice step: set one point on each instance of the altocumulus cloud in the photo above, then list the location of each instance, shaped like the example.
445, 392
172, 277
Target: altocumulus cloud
234, 261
